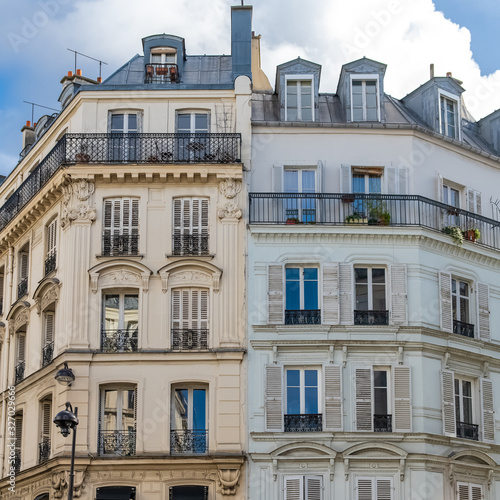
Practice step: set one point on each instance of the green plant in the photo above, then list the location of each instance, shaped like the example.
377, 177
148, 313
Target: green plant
378, 213
356, 218
472, 234
455, 233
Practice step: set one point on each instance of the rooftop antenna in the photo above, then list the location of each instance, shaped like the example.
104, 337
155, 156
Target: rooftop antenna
93, 59
242, 4
33, 104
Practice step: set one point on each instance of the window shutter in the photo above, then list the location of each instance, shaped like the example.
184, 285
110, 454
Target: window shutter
384, 489
24, 265
448, 400
403, 180
402, 399
19, 432
293, 488
194, 315
487, 410
345, 179
364, 489
399, 296
185, 309
319, 177
274, 411
134, 219
333, 398
463, 491
313, 487
117, 218
479, 207
176, 309
345, 287
391, 180
330, 312
439, 188
186, 216
445, 302
21, 348
473, 201
277, 180
364, 399
177, 216
204, 217
49, 327
275, 294
196, 217
483, 305
135, 414
107, 225
476, 492
52, 237
203, 309
46, 418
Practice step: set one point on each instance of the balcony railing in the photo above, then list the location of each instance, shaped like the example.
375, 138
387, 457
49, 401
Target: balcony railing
311, 422
187, 339
121, 443
161, 73
44, 450
468, 431
189, 441
355, 209
19, 372
122, 148
371, 317
50, 263
382, 423
22, 288
118, 340
303, 317
190, 244
464, 329
123, 244
47, 353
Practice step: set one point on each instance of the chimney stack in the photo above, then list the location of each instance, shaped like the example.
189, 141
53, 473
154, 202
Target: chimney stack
432, 70
241, 40
449, 74
28, 135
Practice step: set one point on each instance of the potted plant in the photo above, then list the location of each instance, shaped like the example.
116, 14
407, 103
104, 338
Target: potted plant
292, 220
378, 213
472, 234
356, 218
455, 233
82, 156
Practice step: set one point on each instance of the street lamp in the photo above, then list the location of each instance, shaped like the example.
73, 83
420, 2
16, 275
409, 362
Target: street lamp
65, 375
67, 420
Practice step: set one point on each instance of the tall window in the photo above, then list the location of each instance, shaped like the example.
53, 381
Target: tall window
22, 286
451, 196
371, 308
193, 144
19, 442
381, 402
301, 209
189, 433
460, 296
302, 296
120, 322
190, 226
366, 183
48, 337
117, 424
299, 100
50, 259
303, 487
469, 491
464, 409
448, 108
121, 226
45, 425
374, 488
123, 141
364, 101
20, 356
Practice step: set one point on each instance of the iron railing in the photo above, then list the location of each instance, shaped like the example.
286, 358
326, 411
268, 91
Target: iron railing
19, 372
311, 422
161, 73
16, 462
382, 423
122, 148
122, 244
121, 443
22, 288
371, 317
187, 339
118, 340
190, 244
369, 209
47, 353
465, 329
468, 431
189, 441
44, 449
303, 317
50, 263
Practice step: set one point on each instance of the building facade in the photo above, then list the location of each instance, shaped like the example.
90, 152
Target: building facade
122, 255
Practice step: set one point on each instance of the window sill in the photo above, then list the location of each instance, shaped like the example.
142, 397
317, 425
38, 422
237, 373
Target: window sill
176, 258
119, 257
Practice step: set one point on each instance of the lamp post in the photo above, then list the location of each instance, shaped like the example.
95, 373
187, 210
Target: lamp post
67, 420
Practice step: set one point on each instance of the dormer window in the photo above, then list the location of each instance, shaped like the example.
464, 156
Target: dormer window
162, 67
365, 105
164, 55
299, 99
448, 115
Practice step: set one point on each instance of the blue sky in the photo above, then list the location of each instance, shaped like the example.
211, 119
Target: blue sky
35, 35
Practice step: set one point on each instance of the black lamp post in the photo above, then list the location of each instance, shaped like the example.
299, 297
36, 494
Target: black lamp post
65, 375
67, 420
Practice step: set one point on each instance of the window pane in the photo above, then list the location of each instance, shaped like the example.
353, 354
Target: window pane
184, 122
358, 183
464, 289
310, 295
371, 114
132, 123
291, 181
308, 181
311, 400
380, 378
111, 312
292, 289
379, 298
292, 114
311, 378
357, 115
189, 492
310, 273
361, 275
293, 378
375, 183
380, 403
378, 275
307, 114
181, 409
128, 404
199, 409
293, 401
116, 123
362, 297
464, 310
201, 122
110, 410
131, 313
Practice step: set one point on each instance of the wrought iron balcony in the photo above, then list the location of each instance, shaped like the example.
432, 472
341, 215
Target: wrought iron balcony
161, 73
187, 339
16, 461
19, 372
371, 317
468, 431
189, 441
303, 317
123, 244
120, 443
22, 288
190, 244
464, 329
311, 422
358, 210
118, 340
50, 263
44, 450
47, 353
382, 423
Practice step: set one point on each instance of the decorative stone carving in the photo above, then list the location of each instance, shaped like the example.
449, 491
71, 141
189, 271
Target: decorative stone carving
164, 282
228, 481
120, 278
51, 295
230, 188
60, 482
2, 332
22, 318
76, 205
229, 211
189, 278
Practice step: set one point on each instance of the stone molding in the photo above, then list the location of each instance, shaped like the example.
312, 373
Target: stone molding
76, 201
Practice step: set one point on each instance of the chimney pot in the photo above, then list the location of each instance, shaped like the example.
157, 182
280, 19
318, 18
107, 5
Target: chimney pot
70, 73
449, 74
78, 72
99, 79
28, 123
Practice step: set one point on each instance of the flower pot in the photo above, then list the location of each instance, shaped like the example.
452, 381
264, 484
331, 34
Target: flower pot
82, 158
470, 235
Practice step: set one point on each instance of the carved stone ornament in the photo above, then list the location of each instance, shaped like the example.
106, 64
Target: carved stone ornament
76, 201
230, 188
50, 296
2, 333
189, 278
22, 317
228, 481
229, 211
60, 483
120, 277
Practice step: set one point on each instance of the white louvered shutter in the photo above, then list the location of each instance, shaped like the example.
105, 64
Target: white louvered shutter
448, 401
319, 176
476, 492
483, 306
52, 237
345, 299
364, 399
463, 491
468, 491
391, 179
314, 488
474, 201
333, 398
445, 302
46, 418
439, 188
383, 488
49, 328
24, 263
399, 295
21, 348
275, 294
345, 179
190, 309
364, 489
402, 399
107, 225
294, 488
277, 180
404, 175
487, 411
274, 398
176, 309
330, 312
19, 432
178, 217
